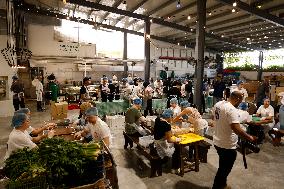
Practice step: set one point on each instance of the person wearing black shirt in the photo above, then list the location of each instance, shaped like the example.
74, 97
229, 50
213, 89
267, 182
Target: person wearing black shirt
84, 93
188, 89
174, 92
104, 89
18, 93
163, 136
111, 91
219, 87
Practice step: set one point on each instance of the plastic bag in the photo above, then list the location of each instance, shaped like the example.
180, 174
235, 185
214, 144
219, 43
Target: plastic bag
145, 141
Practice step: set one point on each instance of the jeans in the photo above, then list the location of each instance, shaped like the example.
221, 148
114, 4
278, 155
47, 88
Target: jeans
227, 159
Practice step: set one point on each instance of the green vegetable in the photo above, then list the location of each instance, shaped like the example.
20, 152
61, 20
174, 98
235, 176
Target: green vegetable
64, 163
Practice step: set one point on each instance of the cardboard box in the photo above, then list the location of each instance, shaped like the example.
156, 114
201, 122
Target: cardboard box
59, 110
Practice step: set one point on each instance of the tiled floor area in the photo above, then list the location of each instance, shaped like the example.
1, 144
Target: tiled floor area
265, 169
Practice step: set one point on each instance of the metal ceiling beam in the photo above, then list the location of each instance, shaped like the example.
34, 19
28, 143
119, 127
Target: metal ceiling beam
194, 15
143, 17
115, 5
132, 10
167, 3
34, 10
272, 9
257, 12
247, 24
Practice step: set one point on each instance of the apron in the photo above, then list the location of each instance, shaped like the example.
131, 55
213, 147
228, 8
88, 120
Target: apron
39, 89
164, 149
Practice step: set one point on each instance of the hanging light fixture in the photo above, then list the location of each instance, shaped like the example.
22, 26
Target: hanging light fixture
233, 10
235, 4
188, 17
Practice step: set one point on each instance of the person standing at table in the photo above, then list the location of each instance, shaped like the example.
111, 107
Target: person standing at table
219, 87
18, 93
84, 92
225, 138
241, 89
104, 89
111, 93
133, 118
147, 99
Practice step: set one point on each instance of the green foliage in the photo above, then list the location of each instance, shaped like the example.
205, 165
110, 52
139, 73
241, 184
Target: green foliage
64, 163
245, 67
274, 68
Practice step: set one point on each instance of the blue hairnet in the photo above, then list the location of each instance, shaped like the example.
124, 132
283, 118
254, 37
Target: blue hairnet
137, 101
174, 101
124, 79
243, 106
18, 119
131, 82
23, 110
105, 78
240, 82
110, 81
184, 104
93, 111
168, 113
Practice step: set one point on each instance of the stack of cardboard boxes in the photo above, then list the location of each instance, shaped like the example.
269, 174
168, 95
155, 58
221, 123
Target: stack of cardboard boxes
59, 110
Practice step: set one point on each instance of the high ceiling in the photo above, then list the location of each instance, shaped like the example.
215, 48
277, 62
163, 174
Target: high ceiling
250, 25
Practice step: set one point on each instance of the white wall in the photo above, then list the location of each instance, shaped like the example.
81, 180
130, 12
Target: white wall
159, 48
41, 42
6, 106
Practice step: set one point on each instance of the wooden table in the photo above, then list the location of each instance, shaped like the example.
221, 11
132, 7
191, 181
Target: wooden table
255, 128
189, 139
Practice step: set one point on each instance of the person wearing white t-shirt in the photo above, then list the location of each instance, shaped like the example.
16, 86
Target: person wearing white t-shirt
241, 89
98, 128
266, 112
225, 137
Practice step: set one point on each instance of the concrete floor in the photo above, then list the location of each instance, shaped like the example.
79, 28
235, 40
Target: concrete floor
265, 169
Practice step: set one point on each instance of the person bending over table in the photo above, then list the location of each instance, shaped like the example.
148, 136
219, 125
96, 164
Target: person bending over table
163, 136
227, 127
192, 116
98, 128
35, 133
133, 119
19, 138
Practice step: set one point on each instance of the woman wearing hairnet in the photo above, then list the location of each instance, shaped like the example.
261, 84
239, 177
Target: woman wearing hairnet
19, 137
163, 136
193, 117
98, 128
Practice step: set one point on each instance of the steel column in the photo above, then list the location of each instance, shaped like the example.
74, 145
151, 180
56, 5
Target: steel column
125, 55
147, 50
199, 49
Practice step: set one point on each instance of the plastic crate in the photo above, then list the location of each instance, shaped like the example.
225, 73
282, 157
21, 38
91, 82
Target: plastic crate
35, 183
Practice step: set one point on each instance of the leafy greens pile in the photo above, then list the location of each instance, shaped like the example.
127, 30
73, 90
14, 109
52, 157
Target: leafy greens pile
63, 163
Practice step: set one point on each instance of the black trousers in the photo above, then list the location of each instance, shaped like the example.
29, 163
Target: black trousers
17, 103
176, 157
227, 159
149, 108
